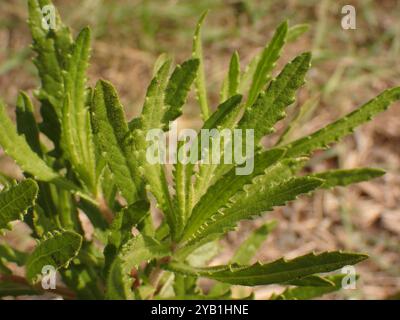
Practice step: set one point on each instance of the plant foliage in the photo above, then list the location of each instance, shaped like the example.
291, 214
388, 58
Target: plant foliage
96, 167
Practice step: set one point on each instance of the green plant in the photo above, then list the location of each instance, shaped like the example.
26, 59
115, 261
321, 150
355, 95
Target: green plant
96, 165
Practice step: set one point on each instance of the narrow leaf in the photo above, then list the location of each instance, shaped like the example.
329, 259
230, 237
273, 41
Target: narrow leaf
154, 109
220, 193
225, 117
154, 173
232, 80
270, 105
267, 62
77, 140
279, 271
335, 178
256, 198
200, 81
52, 47
178, 88
110, 130
344, 126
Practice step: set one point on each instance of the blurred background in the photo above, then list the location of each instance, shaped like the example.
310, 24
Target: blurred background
349, 68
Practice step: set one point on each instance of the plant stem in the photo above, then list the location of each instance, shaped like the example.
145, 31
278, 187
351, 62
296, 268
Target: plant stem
62, 291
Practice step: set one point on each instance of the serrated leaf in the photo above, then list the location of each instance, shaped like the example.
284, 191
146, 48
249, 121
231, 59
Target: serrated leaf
178, 88
344, 126
154, 108
225, 117
266, 63
110, 130
270, 105
219, 193
135, 251
77, 140
339, 177
246, 252
306, 293
226, 114
16, 147
279, 271
47, 60
41, 223
57, 250
231, 82
254, 200
200, 82
154, 173
15, 201
52, 48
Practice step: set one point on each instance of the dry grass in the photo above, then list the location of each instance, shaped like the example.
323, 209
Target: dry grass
350, 67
